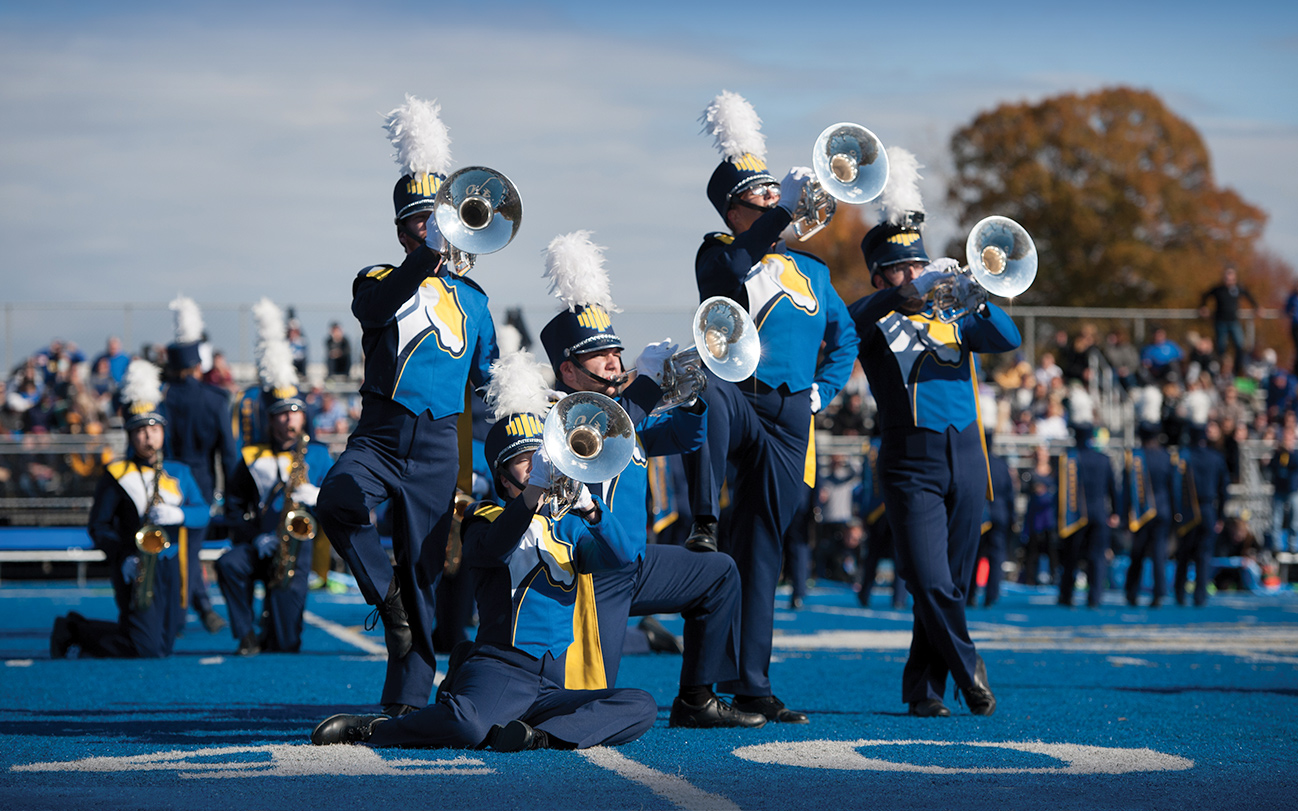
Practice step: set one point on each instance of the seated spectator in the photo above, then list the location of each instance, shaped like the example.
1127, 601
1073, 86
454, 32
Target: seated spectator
1047, 370
220, 375
1123, 358
1082, 354
332, 417
1161, 356
1053, 425
116, 359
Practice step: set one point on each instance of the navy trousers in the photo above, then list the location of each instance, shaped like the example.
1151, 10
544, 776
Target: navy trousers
935, 486
764, 433
494, 686
414, 461
146, 633
1197, 548
1092, 541
1150, 541
237, 573
991, 545
702, 587
878, 545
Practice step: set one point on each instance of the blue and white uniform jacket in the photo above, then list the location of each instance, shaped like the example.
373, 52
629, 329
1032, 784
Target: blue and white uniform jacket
255, 496
424, 335
529, 569
922, 372
122, 498
790, 297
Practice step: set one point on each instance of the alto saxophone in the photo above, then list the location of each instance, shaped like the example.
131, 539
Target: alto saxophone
150, 541
296, 525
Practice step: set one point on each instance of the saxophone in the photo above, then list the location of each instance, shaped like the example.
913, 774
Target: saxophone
296, 525
150, 541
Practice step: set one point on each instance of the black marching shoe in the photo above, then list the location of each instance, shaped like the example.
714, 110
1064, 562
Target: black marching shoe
398, 710
771, 707
396, 623
979, 698
250, 645
703, 537
714, 713
344, 728
517, 736
929, 708
660, 639
212, 621
60, 638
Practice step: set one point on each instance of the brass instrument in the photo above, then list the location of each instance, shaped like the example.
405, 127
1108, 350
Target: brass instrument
589, 438
1002, 260
730, 346
296, 525
851, 165
477, 210
151, 540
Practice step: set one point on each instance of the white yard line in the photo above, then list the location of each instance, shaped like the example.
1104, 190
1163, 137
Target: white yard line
345, 634
668, 786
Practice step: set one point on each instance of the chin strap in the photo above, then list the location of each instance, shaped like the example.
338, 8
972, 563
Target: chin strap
616, 382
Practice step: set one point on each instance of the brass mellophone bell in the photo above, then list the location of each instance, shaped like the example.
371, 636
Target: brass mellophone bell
1002, 260
725, 341
478, 211
850, 165
589, 438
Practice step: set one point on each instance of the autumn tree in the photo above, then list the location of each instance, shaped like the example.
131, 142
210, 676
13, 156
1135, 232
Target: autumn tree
1116, 191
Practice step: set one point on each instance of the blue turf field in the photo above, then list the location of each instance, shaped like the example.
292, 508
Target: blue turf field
1116, 708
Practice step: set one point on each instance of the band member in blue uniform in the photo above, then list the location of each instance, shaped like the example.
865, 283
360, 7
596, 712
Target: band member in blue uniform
1088, 510
586, 355
878, 535
1148, 502
143, 489
508, 692
1207, 481
198, 434
762, 425
270, 508
931, 456
998, 519
426, 333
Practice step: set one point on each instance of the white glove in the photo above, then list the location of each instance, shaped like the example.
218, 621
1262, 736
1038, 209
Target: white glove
307, 494
943, 265
584, 502
791, 187
265, 544
166, 515
933, 273
541, 473
815, 397
653, 360
434, 238
970, 293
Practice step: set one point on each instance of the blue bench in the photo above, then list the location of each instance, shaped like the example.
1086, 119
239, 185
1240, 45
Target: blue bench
67, 545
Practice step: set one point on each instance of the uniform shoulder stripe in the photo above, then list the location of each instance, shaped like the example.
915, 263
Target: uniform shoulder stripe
489, 512
376, 271
118, 468
719, 236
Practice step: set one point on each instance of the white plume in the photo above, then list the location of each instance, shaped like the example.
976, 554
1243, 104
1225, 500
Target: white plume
189, 320
901, 195
509, 339
270, 324
422, 140
518, 385
142, 383
734, 126
274, 356
574, 266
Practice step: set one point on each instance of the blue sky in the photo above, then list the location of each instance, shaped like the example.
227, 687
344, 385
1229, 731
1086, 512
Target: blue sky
230, 151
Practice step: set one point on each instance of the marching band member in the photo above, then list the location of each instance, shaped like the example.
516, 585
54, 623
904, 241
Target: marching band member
141, 490
198, 434
426, 332
764, 424
507, 692
932, 458
1088, 510
998, 519
1148, 489
1208, 479
271, 479
586, 355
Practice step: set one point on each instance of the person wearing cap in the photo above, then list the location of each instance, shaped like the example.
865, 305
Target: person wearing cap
585, 354
506, 689
144, 488
932, 459
1147, 490
1206, 469
426, 334
255, 507
198, 434
1088, 509
763, 425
